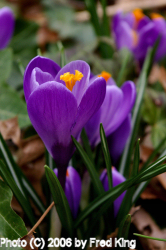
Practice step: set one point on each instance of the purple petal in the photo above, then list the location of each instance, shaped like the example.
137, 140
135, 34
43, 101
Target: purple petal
123, 36
114, 110
52, 110
129, 95
143, 22
90, 103
147, 37
117, 178
80, 86
7, 26
43, 64
118, 139
111, 104
160, 26
72, 189
111, 81
129, 19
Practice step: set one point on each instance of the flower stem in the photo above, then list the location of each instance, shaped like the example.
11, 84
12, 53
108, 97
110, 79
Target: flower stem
62, 175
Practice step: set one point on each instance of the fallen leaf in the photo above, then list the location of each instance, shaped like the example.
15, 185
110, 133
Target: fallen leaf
155, 190
28, 239
145, 225
10, 130
30, 149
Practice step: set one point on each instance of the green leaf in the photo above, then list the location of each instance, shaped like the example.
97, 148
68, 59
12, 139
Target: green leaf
125, 61
5, 64
20, 179
16, 191
91, 169
142, 81
62, 53
124, 227
127, 200
109, 196
148, 237
143, 185
107, 157
158, 132
86, 145
11, 225
12, 105
61, 203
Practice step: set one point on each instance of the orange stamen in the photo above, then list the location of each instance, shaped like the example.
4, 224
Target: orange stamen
105, 75
67, 173
71, 79
155, 16
138, 13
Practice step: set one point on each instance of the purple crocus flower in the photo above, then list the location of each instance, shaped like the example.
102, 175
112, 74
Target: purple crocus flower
6, 26
72, 189
117, 140
59, 103
117, 178
138, 32
117, 105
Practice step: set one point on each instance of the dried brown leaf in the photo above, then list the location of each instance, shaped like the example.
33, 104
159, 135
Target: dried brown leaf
145, 225
10, 130
154, 190
29, 238
30, 149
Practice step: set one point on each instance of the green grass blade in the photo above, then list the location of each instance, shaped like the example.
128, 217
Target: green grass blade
86, 145
18, 194
123, 68
91, 169
61, 203
143, 185
124, 227
106, 155
111, 195
142, 81
127, 200
62, 53
91, 7
154, 154
20, 179
148, 237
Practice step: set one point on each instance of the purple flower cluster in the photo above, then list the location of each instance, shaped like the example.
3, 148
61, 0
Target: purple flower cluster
114, 114
138, 32
60, 102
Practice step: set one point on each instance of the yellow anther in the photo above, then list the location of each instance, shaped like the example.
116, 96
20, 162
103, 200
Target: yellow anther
138, 13
155, 16
71, 79
105, 75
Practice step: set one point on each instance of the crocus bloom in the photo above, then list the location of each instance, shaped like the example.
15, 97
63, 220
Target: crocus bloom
138, 32
6, 26
72, 189
117, 105
117, 178
60, 102
117, 140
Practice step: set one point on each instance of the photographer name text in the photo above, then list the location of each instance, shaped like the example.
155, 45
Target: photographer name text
68, 242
